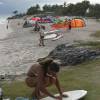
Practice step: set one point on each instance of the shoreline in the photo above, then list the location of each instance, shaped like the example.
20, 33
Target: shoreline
4, 31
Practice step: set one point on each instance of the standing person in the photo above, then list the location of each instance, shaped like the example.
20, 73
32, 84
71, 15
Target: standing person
41, 33
69, 24
42, 75
7, 26
37, 26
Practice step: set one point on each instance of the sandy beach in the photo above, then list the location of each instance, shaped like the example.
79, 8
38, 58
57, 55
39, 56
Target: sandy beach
19, 50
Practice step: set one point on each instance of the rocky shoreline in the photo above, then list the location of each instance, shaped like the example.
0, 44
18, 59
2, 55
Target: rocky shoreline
68, 54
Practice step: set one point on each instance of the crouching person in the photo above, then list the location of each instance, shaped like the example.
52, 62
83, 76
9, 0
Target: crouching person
42, 75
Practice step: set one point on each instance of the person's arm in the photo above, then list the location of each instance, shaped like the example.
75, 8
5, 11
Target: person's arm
59, 88
56, 81
58, 85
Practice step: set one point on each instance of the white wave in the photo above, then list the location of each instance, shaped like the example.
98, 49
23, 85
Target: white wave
3, 27
3, 20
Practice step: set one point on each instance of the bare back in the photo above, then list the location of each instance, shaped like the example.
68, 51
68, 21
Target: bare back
32, 74
36, 71
33, 70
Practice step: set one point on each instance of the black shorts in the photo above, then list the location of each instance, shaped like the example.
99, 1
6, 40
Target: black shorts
42, 37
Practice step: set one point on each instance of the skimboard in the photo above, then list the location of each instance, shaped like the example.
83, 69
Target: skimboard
50, 36
22, 98
72, 95
58, 37
51, 32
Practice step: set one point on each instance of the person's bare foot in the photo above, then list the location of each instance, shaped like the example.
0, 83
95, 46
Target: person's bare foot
39, 44
65, 95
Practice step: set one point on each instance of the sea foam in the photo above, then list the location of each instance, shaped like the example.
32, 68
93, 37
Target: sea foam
3, 27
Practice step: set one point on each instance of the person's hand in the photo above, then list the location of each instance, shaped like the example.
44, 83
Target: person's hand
64, 95
58, 97
61, 96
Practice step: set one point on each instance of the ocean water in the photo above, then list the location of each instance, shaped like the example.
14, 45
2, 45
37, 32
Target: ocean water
4, 31
3, 19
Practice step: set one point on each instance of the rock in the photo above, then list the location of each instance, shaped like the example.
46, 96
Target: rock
72, 55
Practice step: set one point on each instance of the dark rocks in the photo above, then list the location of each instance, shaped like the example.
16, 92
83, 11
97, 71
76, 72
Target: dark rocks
72, 55
12, 77
7, 77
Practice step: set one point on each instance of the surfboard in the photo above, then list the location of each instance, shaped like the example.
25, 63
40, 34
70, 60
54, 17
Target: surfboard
58, 37
72, 95
51, 32
50, 36
22, 98
7, 99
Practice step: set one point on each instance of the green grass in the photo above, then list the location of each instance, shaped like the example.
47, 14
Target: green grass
15, 89
96, 34
98, 20
85, 76
90, 44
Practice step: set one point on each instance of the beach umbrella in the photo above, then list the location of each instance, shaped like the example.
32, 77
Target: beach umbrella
35, 18
45, 20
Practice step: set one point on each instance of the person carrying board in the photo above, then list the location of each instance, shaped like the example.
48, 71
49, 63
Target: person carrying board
42, 75
41, 33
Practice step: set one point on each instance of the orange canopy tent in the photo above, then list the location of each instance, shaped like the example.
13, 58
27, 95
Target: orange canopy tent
75, 23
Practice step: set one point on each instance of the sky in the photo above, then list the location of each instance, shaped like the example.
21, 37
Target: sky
8, 6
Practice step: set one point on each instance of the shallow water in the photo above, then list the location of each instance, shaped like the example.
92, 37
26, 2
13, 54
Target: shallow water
4, 31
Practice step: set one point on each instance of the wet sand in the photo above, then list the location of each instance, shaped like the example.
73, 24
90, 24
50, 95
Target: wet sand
20, 49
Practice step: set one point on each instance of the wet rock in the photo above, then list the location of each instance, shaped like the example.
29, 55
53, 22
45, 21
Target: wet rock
12, 77
72, 55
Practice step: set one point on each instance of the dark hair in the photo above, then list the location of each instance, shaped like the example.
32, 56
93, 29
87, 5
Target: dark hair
45, 61
48, 63
54, 67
